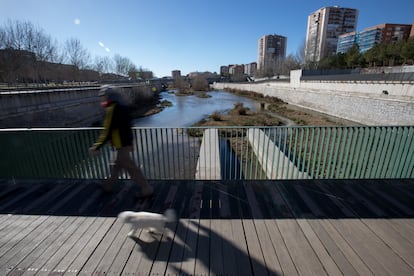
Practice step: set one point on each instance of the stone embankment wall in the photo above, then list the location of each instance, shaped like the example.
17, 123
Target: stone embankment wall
364, 102
77, 107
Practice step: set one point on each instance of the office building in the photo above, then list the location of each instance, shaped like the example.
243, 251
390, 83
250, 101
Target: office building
324, 27
366, 39
271, 51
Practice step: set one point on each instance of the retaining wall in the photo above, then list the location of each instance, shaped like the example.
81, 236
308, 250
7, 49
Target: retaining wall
361, 102
77, 107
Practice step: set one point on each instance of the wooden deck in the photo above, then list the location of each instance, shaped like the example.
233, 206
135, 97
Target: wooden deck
69, 227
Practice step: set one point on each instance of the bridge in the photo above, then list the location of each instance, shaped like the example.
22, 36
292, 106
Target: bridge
286, 200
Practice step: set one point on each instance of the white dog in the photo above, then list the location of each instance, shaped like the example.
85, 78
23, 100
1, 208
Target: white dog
154, 222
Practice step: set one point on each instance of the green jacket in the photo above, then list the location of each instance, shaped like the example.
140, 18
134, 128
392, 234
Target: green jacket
117, 127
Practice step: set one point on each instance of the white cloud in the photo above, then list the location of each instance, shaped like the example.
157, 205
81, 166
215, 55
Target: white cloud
101, 44
107, 49
76, 21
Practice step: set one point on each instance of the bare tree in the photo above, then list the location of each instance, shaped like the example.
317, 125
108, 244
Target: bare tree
77, 55
123, 65
103, 65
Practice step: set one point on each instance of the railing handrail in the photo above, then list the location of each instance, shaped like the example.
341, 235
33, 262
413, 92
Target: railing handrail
275, 152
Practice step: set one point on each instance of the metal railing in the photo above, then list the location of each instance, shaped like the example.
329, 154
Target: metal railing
245, 152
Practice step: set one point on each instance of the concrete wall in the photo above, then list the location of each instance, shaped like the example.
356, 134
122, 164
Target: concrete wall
77, 107
361, 102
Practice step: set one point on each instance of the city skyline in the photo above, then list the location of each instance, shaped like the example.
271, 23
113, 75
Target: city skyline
189, 36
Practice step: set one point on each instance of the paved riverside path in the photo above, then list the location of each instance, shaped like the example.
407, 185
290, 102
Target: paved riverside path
295, 227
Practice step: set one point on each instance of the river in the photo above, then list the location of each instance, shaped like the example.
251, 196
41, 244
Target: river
187, 110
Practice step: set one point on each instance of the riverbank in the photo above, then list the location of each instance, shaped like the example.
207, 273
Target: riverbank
274, 112
268, 111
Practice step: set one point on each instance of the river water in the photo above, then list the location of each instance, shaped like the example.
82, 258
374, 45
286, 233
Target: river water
187, 110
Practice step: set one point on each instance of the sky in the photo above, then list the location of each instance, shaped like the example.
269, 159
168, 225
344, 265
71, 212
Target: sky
187, 35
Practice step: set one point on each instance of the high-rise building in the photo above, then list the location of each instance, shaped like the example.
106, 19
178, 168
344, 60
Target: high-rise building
271, 50
324, 27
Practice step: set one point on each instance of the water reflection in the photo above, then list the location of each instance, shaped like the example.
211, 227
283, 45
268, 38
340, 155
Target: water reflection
187, 110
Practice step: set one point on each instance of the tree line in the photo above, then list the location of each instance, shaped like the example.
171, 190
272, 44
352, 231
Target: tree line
29, 54
393, 54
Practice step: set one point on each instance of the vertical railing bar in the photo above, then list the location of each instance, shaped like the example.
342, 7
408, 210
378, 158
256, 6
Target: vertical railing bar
168, 151
310, 162
241, 152
295, 146
327, 148
348, 152
373, 160
231, 163
338, 139
284, 153
362, 150
405, 156
330, 165
395, 152
273, 153
299, 160
315, 160
357, 151
235, 137
351, 151
178, 150
388, 154
290, 133
305, 152
409, 164
384, 149
341, 153
321, 145
269, 139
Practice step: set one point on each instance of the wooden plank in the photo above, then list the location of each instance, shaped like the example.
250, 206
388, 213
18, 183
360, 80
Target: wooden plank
286, 264
188, 263
356, 261
254, 206
316, 211
77, 248
216, 247
51, 244
45, 198
161, 259
299, 248
404, 228
178, 248
148, 242
364, 201
17, 198
35, 243
92, 263
132, 263
229, 249
269, 252
333, 248
18, 232
401, 246
91, 247
253, 245
324, 257
202, 259
16, 225
241, 249
114, 249
375, 253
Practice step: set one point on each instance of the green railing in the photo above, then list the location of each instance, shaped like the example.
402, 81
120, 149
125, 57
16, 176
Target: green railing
245, 152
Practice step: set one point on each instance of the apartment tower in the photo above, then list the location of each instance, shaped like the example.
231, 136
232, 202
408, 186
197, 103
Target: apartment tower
271, 51
324, 27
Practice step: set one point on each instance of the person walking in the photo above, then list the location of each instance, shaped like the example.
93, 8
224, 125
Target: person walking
118, 131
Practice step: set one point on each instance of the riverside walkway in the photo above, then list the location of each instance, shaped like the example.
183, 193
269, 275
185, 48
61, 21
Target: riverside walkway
225, 227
